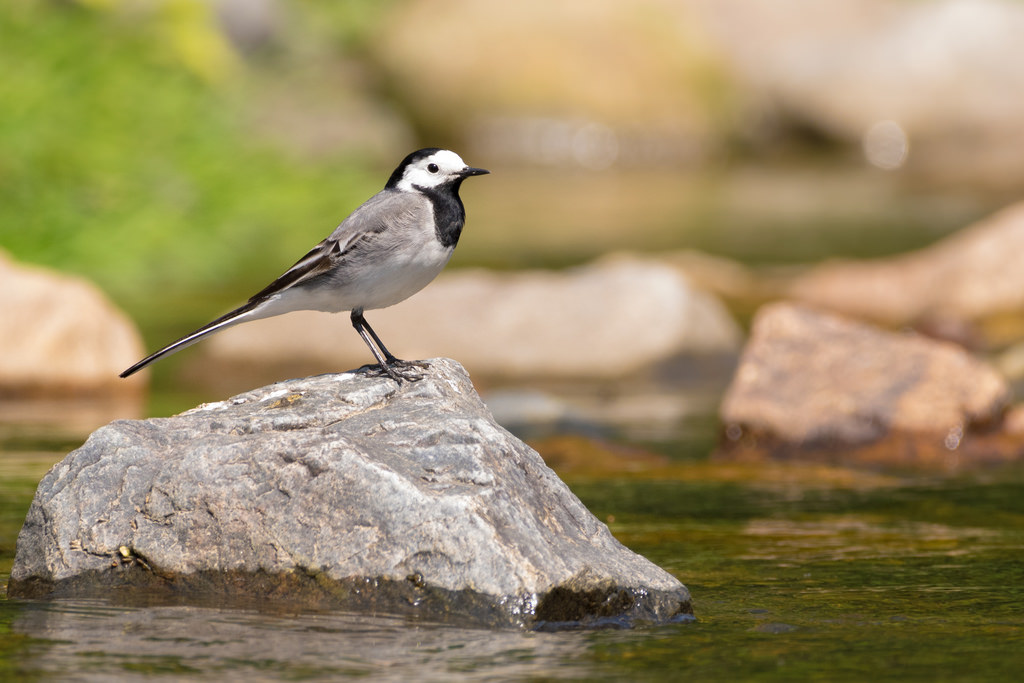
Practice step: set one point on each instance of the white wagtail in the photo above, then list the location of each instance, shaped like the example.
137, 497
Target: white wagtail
387, 250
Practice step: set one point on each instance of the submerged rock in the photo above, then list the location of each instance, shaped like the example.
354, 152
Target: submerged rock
811, 384
342, 490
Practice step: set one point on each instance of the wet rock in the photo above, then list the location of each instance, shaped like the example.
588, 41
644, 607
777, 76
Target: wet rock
342, 490
815, 385
604, 320
966, 282
60, 335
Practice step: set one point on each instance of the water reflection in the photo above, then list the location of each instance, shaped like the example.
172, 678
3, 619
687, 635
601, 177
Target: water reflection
846, 537
92, 639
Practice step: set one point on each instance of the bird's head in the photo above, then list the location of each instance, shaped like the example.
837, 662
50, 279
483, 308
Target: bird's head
431, 168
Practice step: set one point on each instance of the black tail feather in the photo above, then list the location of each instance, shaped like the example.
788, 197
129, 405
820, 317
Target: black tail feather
227, 320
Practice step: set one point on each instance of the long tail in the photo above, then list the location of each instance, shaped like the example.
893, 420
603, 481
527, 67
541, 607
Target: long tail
240, 314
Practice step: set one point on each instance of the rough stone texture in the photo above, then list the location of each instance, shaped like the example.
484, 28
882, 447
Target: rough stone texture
603, 320
339, 490
814, 383
59, 334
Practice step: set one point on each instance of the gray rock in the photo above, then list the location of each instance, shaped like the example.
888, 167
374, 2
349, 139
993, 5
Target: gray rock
341, 490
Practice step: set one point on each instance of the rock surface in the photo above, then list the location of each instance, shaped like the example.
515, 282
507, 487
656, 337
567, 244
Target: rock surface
813, 384
60, 335
599, 321
341, 490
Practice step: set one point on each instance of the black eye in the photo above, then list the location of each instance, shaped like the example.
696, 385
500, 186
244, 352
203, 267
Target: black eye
432, 168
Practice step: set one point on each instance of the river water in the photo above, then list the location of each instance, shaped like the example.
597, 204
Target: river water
797, 572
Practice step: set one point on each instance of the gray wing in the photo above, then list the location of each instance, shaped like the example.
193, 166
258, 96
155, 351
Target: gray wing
388, 210
379, 224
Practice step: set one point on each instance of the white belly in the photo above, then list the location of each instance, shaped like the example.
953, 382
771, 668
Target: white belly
378, 282
396, 281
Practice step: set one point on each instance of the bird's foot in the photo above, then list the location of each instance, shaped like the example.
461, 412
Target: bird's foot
399, 370
408, 363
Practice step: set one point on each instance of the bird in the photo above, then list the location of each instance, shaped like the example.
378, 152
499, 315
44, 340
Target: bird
389, 248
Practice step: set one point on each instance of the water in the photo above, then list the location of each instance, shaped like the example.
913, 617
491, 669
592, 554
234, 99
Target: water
797, 572
94, 640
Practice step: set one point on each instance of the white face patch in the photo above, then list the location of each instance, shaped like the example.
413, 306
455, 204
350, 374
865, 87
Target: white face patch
440, 167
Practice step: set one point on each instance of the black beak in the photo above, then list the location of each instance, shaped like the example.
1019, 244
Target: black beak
469, 170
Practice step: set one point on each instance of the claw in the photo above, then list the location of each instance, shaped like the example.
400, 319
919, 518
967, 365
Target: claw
409, 363
394, 373
386, 361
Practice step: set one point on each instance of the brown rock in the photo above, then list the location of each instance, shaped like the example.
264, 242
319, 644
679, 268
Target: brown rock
61, 335
966, 279
816, 385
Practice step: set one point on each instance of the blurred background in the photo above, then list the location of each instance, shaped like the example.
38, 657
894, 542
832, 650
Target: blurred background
660, 169
180, 154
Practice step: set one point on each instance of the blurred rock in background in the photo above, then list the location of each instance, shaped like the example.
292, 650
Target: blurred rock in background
812, 385
210, 142
60, 335
970, 281
589, 84
933, 85
930, 86
966, 287
606, 320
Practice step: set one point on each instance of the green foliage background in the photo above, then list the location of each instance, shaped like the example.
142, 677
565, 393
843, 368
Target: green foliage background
126, 151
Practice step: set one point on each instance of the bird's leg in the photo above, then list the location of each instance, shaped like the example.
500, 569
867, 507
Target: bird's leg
388, 359
392, 359
387, 354
359, 323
